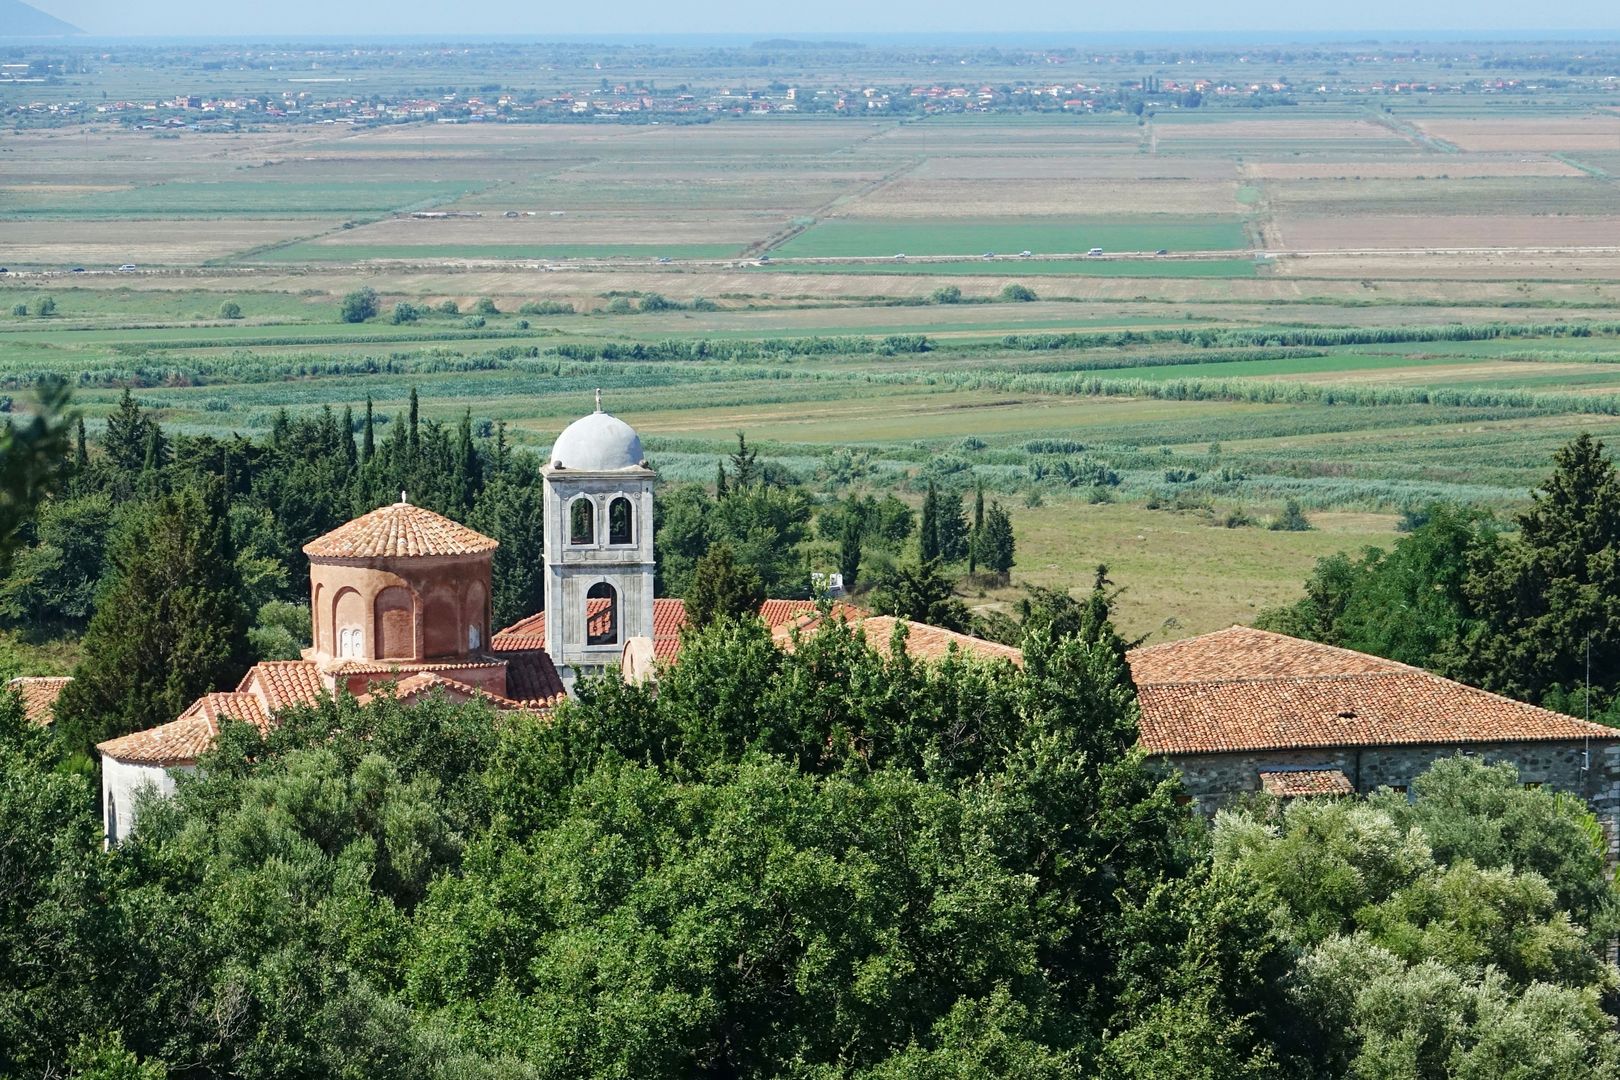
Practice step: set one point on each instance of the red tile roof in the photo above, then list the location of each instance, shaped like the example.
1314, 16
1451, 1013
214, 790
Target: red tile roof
669, 618
923, 642
532, 678
1245, 690
39, 694
283, 683
399, 531
1294, 783
183, 741
1242, 652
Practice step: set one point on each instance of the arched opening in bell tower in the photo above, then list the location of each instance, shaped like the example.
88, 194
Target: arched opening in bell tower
581, 521
621, 522
602, 615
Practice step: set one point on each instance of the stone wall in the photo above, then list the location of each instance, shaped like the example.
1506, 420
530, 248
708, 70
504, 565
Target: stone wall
1590, 770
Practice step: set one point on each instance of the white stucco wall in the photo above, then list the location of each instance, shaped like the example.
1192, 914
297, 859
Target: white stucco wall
121, 781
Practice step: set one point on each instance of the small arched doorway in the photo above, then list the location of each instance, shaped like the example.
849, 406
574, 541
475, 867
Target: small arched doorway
602, 615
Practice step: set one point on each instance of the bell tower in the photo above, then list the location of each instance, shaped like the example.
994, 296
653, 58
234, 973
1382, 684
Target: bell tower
599, 545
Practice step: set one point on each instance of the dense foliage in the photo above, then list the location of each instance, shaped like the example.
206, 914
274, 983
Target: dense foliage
825, 862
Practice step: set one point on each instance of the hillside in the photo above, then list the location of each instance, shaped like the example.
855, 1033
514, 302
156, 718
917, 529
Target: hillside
18, 19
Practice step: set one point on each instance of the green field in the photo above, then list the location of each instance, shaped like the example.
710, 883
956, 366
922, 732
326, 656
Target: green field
1096, 267
845, 238
238, 197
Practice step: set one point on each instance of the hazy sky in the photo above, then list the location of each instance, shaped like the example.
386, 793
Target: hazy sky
528, 17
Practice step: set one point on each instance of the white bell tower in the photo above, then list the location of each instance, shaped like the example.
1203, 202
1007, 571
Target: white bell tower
599, 545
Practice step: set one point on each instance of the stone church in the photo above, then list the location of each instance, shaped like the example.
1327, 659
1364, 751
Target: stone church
400, 605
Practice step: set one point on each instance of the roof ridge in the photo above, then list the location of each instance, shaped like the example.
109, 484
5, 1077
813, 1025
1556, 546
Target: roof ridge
1280, 637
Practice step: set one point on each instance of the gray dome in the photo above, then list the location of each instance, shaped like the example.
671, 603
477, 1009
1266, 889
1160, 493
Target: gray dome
598, 443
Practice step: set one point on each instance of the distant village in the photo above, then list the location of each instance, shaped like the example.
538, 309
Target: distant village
318, 93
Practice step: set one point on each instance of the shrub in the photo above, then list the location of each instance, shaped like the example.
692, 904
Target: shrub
523, 324
46, 305
618, 306
1179, 476
1292, 519
359, 306
20, 309
546, 307
486, 306
449, 307
404, 313
1019, 293
946, 294
230, 309
1238, 518
473, 322
702, 304
656, 302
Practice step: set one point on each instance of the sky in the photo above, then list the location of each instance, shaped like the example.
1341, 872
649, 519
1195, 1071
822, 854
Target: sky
537, 18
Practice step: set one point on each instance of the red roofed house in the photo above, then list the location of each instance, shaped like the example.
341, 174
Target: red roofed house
1244, 710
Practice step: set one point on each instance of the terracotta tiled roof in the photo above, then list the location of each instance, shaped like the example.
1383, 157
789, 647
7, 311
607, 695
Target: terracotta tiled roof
405, 667
39, 694
183, 741
527, 633
925, 642
399, 531
1242, 652
669, 618
283, 683
424, 683
1396, 708
532, 678
1294, 783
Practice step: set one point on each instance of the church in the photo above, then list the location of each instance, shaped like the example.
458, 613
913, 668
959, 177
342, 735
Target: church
400, 604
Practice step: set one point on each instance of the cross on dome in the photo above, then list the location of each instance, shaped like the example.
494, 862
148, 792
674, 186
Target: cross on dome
598, 399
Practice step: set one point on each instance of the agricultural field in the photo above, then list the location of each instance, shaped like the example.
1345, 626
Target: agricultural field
1359, 310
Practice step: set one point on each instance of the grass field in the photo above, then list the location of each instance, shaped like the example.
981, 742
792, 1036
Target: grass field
834, 358
839, 239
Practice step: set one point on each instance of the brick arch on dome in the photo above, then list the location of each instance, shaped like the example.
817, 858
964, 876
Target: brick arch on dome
395, 632
348, 618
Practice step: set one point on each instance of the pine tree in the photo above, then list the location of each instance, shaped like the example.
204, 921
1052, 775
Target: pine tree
745, 471
413, 436
81, 451
995, 539
721, 588
124, 443
950, 527
168, 625
1541, 601
721, 487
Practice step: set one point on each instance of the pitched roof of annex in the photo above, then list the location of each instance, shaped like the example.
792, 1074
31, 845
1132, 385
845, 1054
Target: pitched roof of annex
39, 694
1245, 690
399, 531
182, 741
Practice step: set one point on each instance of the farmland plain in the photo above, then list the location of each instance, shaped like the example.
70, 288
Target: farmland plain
1357, 311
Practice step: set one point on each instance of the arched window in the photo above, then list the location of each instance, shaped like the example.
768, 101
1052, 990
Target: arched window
475, 639
350, 642
112, 820
602, 615
621, 516
581, 522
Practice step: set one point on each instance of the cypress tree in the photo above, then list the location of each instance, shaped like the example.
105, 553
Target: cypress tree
721, 487
996, 540
168, 626
81, 452
928, 526
849, 551
413, 436
349, 457
368, 442
976, 537
467, 479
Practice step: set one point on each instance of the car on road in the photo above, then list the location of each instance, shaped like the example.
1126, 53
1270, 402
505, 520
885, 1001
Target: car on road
1162, 251
1026, 253
989, 254
664, 259
1095, 251
900, 257
4, 270
127, 268
78, 270
764, 259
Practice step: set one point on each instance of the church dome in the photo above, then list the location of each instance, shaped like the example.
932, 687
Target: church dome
598, 443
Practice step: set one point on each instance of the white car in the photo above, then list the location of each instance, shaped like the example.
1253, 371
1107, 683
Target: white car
127, 268
1095, 251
